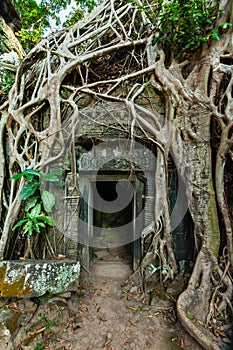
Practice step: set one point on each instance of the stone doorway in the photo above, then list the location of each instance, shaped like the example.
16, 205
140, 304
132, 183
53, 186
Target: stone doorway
108, 224
111, 234
108, 230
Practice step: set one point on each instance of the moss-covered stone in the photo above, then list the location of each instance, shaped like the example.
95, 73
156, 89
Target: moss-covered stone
34, 278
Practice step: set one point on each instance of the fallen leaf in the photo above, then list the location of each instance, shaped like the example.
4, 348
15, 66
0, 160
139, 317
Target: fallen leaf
132, 324
102, 318
189, 315
133, 308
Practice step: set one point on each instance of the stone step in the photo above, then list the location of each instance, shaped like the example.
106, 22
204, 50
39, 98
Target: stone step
109, 269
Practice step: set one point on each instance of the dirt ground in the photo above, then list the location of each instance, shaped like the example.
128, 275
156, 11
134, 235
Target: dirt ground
109, 311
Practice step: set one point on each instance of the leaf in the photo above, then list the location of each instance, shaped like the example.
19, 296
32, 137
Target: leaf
17, 176
53, 177
48, 201
58, 172
41, 224
36, 227
20, 223
27, 229
31, 202
224, 25
215, 36
155, 39
35, 211
29, 190
153, 269
50, 221
47, 219
31, 172
189, 315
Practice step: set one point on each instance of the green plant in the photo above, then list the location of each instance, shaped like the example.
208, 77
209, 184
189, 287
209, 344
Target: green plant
38, 201
48, 323
40, 17
45, 297
182, 26
152, 269
7, 81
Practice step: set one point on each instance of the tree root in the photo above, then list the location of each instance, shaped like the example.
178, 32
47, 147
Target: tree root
193, 304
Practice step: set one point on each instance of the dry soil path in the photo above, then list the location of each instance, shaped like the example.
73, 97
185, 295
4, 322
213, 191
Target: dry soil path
108, 312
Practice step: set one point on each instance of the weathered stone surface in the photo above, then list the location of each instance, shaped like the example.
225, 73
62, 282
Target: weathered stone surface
114, 270
10, 14
36, 277
9, 42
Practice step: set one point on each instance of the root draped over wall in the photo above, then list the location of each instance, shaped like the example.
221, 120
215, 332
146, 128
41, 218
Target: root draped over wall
110, 56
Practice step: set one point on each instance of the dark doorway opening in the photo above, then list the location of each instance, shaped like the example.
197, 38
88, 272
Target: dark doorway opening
113, 225
117, 218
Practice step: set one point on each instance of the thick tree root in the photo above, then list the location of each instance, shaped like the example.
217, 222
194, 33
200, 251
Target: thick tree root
193, 304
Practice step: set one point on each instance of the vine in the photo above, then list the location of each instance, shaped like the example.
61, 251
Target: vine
112, 56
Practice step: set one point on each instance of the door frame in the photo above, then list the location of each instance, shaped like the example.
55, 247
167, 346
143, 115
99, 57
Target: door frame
139, 192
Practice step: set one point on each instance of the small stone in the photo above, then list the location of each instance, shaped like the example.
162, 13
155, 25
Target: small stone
133, 289
227, 340
228, 326
109, 335
77, 322
7, 332
66, 295
58, 301
126, 288
159, 304
72, 306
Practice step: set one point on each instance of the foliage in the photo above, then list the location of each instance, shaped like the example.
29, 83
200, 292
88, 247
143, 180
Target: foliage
192, 118
36, 18
36, 202
7, 81
78, 13
182, 26
39, 346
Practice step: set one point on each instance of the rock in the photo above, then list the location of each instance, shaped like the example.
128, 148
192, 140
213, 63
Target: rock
101, 254
77, 322
160, 304
133, 289
109, 335
58, 301
33, 278
5, 336
66, 295
227, 340
126, 288
72, 306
